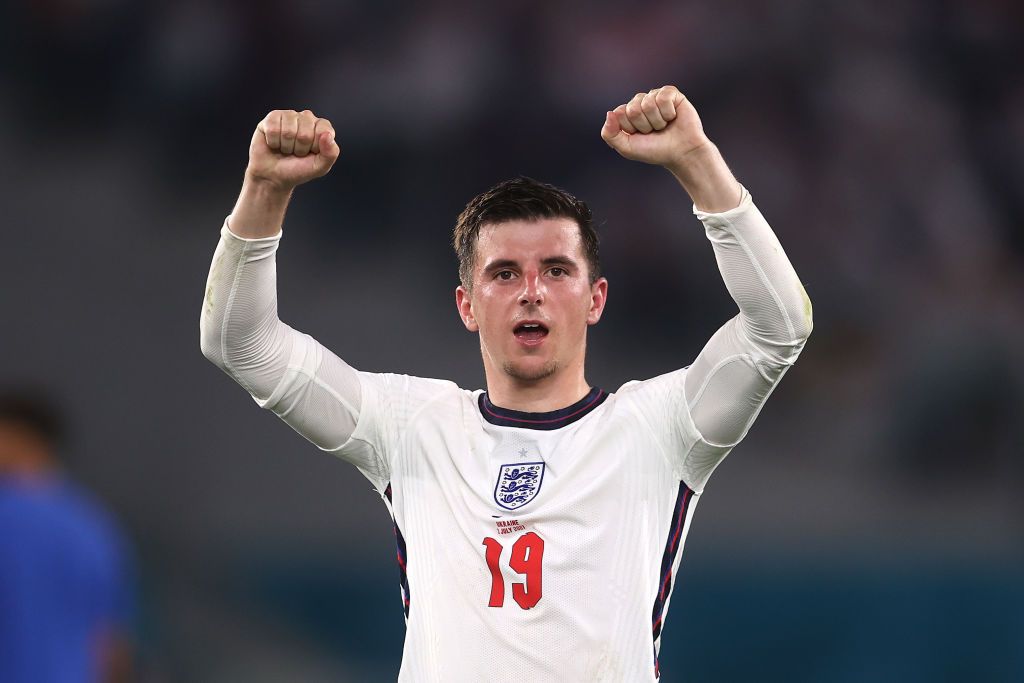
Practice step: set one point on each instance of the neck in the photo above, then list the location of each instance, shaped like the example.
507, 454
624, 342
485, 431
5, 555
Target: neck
558, 390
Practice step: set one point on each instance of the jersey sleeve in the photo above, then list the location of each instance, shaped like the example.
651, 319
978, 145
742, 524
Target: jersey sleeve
355, 415
703, 411
390, 403
660, 407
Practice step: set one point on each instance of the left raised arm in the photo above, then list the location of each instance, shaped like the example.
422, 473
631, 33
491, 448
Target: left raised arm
739, 367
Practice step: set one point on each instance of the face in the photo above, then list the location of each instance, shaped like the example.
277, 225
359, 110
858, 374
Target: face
22, 450
531, 299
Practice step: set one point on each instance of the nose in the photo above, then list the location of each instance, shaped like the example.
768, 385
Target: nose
533, 291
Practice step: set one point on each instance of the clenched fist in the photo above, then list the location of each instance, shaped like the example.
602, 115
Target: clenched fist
290, 148
657, 127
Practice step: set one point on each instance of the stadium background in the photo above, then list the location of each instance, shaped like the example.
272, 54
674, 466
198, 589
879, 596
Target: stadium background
871, 526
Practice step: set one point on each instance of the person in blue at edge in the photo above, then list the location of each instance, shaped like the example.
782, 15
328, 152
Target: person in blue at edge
65, 593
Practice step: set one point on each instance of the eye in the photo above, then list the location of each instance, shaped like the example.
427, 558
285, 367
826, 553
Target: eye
503, 275
558, 272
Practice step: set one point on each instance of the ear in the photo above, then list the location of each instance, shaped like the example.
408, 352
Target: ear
598, 298
464, 303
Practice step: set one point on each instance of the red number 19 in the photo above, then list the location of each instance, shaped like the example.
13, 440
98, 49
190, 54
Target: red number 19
527, 558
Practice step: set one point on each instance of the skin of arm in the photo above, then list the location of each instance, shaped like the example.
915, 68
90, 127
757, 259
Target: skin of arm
259, 211
704, 175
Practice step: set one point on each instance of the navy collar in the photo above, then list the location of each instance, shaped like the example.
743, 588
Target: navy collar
555, 419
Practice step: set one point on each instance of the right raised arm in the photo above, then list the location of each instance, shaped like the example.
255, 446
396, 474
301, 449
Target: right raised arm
285, 371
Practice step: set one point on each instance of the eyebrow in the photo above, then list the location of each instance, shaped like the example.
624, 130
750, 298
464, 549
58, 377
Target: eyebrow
548, 261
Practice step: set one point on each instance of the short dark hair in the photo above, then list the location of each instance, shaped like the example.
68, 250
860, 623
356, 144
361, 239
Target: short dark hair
32, 409
521, 198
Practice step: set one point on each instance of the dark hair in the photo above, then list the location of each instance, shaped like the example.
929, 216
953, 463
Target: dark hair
33, 410
521, 198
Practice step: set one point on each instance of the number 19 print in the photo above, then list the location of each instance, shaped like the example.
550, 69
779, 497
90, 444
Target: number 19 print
527, 558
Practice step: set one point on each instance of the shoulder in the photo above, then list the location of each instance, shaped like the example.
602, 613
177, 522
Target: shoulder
401, 398
665, 383
409, 386
659, 403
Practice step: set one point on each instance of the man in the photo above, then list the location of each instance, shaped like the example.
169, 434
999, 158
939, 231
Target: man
539, 522
65, 595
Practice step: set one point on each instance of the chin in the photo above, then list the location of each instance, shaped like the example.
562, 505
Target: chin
526, 371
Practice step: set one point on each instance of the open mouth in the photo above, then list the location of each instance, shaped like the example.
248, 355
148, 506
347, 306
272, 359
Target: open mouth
530, 332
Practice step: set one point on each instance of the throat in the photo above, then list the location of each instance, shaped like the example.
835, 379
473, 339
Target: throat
542, 391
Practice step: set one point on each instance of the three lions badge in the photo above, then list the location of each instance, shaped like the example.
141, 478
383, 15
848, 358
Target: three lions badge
518, 484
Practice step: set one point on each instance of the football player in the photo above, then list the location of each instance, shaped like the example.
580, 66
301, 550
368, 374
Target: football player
539, 522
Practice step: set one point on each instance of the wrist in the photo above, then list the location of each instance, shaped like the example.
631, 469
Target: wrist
266, 188
704, 175
259, 211
695, 156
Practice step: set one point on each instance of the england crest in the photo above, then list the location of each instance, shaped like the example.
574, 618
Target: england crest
518, 484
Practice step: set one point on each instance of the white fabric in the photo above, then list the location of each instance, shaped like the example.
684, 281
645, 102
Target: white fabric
611, 480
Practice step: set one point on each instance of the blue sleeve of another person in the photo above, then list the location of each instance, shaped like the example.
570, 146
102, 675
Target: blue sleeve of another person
65, 582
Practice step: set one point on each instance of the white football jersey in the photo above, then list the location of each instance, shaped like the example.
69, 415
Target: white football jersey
543, 544
536, 545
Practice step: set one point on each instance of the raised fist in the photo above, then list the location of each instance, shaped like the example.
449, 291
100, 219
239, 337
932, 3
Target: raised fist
290, 148
657, 127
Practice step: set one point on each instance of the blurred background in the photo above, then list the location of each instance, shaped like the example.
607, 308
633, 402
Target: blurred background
871, 526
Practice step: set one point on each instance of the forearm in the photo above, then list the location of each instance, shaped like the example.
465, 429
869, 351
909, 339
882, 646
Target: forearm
284, 370
240, 331
736, 371
774, 308
775, 312
259, 211
239, 328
